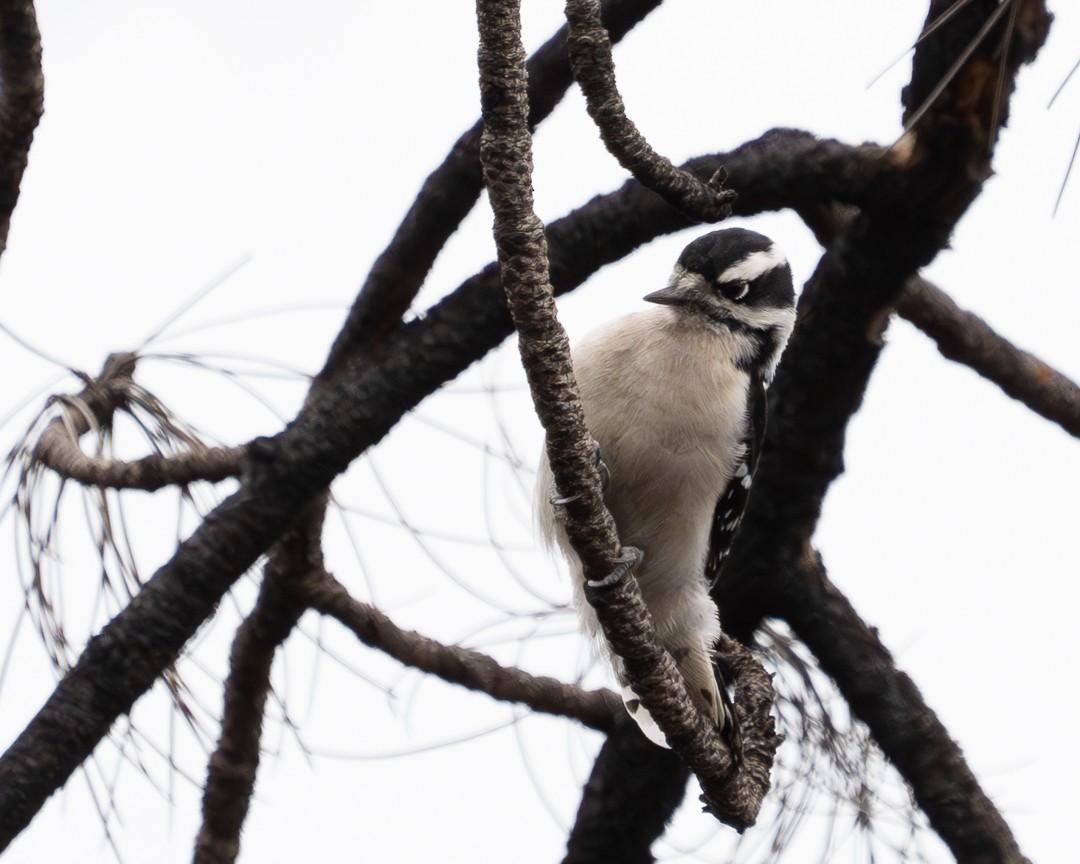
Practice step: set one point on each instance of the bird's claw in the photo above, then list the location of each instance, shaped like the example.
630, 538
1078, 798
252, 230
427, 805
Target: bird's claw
601, 469
601, 466
628, 558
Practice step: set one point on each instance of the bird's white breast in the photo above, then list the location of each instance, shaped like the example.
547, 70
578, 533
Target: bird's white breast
664, 398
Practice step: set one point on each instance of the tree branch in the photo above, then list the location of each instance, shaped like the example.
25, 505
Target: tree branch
230, 778
631, 793
506, 154
594, 70
447, 196
820, 384
59, 450
965, 338
22, 100
904, 726
455, 665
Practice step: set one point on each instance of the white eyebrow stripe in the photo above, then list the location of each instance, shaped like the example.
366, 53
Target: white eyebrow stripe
754, 266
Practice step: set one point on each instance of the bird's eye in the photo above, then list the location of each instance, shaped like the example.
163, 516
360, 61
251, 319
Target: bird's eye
735, 290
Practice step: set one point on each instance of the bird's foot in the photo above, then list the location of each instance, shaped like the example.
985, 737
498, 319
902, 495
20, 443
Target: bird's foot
628, 559
601, 469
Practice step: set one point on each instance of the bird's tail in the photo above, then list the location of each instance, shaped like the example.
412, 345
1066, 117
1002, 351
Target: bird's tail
707, 685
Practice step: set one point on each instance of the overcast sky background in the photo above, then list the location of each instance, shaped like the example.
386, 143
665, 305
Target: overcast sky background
183, 141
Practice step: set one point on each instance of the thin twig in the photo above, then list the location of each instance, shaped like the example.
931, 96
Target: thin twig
57, 446
59, 450
463, 666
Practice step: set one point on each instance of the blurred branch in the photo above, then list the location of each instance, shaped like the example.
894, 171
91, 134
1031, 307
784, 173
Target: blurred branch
631, 793
22, 100
455, 665
594, 70
447, 196
904, 726
230, 778
965, 338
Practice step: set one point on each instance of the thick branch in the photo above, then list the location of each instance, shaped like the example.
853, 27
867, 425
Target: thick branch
22, 100
455, 665
965, 338
594, 70
843, 312
230, 779
904, 726
631, 793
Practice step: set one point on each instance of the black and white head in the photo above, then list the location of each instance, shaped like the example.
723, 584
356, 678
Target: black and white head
737, 281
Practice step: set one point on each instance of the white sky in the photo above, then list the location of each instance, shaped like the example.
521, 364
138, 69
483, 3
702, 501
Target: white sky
180, 138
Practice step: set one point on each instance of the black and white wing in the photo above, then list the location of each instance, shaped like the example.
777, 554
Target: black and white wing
726, 520
732, 502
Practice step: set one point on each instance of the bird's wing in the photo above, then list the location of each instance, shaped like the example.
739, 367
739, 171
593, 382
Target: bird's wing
732, 501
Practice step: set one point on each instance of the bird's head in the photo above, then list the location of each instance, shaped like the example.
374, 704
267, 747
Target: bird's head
737, 281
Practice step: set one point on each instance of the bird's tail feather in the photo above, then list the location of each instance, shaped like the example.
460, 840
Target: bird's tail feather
706, 685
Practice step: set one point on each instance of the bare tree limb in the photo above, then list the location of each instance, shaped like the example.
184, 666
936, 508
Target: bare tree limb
594, 70
448, 195
470, 669
633, 789
58, 445
905, 727
22, 100
230, 779
964, 337
506, 156
59, 450
820, 384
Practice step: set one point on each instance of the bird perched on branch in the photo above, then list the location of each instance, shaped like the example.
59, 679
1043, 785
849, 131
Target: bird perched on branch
675, 398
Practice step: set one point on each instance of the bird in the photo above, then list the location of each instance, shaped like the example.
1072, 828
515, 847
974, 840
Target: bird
674, 396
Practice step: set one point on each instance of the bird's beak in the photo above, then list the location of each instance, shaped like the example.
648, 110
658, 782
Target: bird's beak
670, 296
